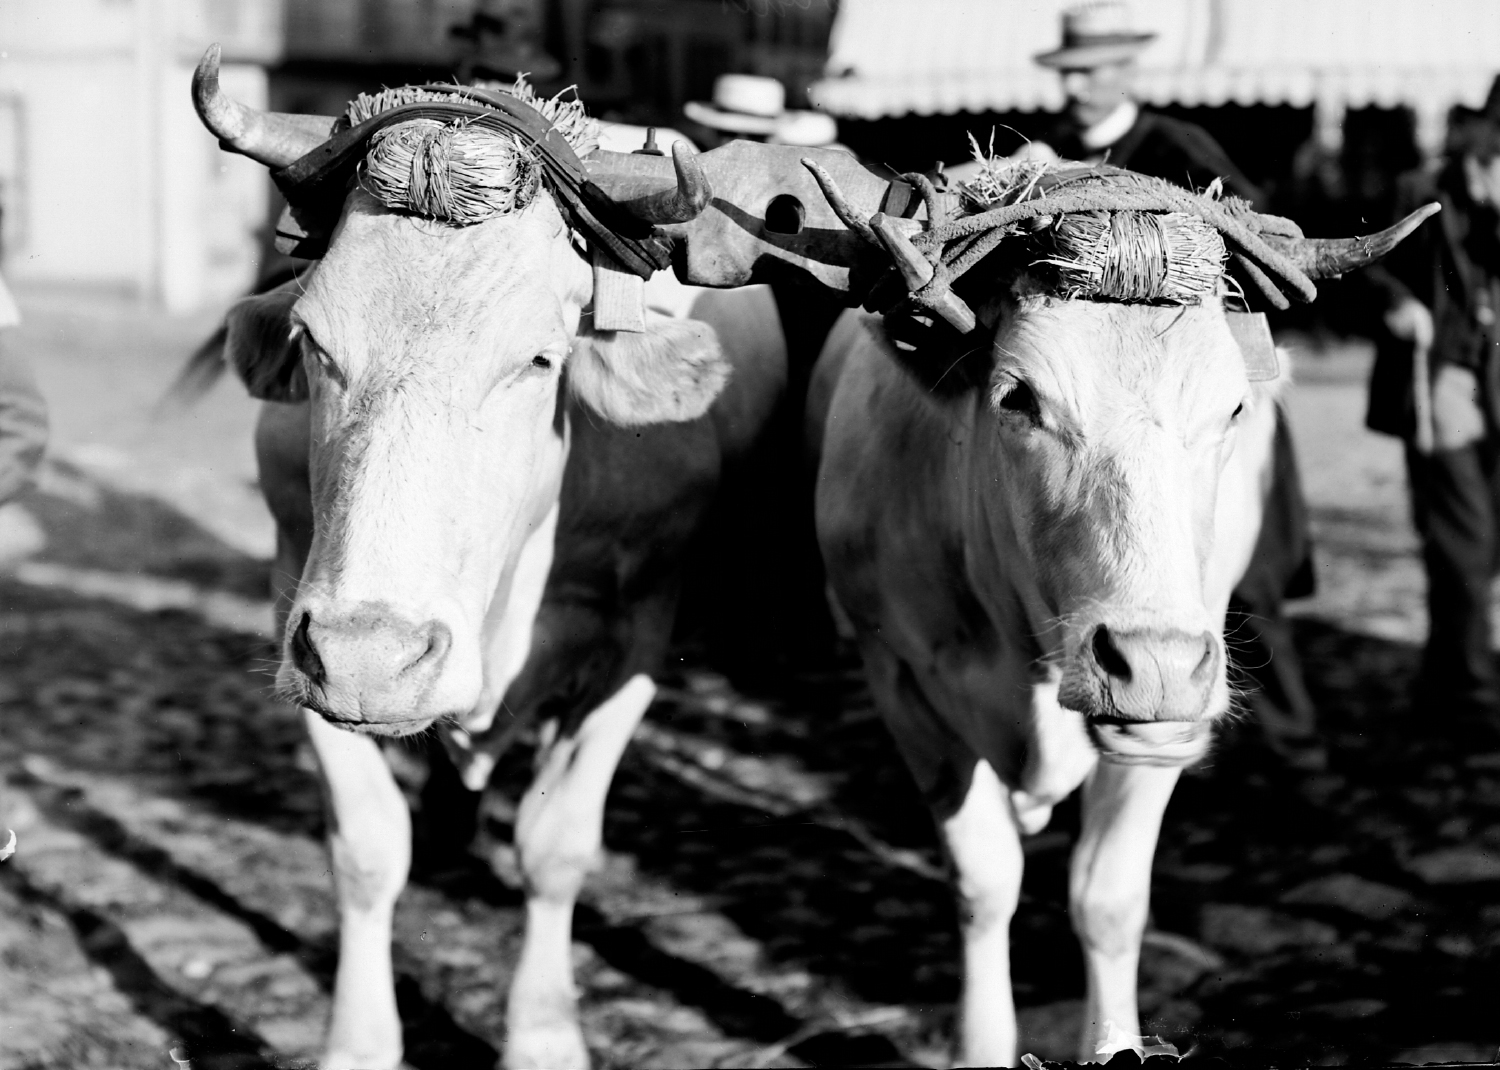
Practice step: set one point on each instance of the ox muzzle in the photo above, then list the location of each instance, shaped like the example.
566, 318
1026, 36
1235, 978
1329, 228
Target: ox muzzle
367, 667
1149, 694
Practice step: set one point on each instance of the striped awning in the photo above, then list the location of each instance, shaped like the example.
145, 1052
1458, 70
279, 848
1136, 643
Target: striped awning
925, 57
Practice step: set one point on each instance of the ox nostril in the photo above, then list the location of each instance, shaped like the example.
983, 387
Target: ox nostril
1206, 664
1109, 656
305, 653
425, 648
439, 638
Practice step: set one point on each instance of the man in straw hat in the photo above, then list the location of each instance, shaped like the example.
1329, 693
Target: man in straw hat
1097, 62
1436, 384
1104, 123
753, 107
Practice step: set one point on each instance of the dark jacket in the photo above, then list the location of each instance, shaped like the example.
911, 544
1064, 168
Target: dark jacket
23, 421
1167, 148
23, 414
1451, 265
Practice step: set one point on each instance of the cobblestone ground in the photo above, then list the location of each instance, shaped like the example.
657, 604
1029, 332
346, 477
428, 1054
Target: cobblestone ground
773, 895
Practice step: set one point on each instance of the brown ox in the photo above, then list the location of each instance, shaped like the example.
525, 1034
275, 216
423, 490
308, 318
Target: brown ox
1037, 566
482, 504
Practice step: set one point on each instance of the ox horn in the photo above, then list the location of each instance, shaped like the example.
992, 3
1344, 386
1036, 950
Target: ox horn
1324, 258
687, 201
917, 272
272, 138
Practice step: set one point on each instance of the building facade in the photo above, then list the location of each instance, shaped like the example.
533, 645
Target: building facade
106, 177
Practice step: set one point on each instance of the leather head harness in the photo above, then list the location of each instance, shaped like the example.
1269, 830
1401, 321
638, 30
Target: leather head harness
316, 185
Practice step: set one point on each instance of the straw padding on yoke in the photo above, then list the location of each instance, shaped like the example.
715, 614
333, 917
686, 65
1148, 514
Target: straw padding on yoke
455, 172
1074, 212
1078, 200
1160, 257
315, 185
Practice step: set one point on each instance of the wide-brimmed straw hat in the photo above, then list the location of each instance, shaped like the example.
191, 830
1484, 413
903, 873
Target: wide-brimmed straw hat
756, 105
1096, 35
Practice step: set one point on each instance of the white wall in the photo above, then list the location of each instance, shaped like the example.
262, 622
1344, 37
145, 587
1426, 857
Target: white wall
213, 201
117, 184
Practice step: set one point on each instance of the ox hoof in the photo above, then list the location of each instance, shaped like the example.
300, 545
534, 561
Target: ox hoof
552, 1046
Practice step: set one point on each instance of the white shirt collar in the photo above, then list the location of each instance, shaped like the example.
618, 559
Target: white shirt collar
1112, 127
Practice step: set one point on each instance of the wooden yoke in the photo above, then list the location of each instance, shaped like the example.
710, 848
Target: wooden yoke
768, 220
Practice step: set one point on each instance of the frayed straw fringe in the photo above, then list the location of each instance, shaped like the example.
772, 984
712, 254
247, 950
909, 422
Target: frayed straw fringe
568, 116
368, 105
454, 172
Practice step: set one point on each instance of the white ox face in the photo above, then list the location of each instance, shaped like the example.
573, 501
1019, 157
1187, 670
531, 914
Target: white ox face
435, 358
1112, 424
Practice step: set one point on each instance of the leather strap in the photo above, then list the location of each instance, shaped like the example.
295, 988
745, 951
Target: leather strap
315, 185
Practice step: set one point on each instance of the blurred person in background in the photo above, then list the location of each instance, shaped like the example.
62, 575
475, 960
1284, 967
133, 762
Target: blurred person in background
753, 107
1103, 123
1436, 385
23, 434
503, 39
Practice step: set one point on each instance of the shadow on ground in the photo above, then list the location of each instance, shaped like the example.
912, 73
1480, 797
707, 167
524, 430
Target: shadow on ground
1350, 915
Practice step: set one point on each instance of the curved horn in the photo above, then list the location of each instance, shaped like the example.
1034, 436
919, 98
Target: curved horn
839, 203
1323, 258
687, 201
272, 138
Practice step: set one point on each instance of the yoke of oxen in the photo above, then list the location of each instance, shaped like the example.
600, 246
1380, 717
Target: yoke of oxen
743, 212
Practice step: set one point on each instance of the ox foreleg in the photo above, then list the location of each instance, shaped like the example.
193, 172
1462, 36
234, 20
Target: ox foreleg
559, 834
369, 834
984, 841
1109, 889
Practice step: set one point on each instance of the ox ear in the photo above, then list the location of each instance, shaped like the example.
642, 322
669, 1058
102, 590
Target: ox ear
671, 372
260, 347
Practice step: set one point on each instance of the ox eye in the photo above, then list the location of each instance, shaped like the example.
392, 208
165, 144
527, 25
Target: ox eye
324, 362
1239, 410
1016, 397
541, 362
